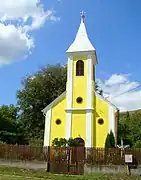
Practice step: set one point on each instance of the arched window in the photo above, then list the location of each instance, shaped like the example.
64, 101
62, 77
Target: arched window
80, 68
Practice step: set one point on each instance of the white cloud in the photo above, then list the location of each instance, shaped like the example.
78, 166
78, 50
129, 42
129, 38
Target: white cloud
122, 92
17, 18
13, 44
116, 79
39, 20
21, 9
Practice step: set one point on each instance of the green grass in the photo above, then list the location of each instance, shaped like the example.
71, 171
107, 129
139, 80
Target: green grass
22, 174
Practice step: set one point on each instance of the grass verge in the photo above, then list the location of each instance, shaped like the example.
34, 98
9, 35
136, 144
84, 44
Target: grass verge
16, 174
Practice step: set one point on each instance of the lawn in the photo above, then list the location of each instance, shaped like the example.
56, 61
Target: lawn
16, 174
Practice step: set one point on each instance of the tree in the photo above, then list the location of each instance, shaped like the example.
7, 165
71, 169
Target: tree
107, 141
110, 140
10, 127
137, 144
37, 92
129, 129
98, 89
122, 133
123, 128
135, 127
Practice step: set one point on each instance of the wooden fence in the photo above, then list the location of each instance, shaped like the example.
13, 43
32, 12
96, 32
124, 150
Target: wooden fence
72, 160
89, 155
23, 153
68, 160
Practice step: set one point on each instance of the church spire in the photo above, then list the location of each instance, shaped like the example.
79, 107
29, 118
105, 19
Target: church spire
81, 42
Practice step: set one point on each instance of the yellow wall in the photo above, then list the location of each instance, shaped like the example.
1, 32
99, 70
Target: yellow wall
79, 124
79, 83
102, 110
58, 111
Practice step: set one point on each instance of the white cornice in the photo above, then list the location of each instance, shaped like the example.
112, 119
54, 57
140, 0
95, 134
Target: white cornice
79, 109
81, 53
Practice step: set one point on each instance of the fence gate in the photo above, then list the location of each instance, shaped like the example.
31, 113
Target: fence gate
66, 160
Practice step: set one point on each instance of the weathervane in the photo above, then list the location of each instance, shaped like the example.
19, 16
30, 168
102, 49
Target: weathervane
82, 16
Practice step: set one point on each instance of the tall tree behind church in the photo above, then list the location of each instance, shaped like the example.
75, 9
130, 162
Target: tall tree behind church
38, 91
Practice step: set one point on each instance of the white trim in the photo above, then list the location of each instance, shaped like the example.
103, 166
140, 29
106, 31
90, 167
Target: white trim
88, 129
86, 53
47, 128
68, 125
89, 103
89, 81
69, 82
69, 96
79, 109
81, 53
95, 59
111, 119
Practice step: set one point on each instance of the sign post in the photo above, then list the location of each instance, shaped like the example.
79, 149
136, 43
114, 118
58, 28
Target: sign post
128, 161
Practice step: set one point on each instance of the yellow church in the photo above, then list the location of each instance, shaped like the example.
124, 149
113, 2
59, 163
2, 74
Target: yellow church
80, 112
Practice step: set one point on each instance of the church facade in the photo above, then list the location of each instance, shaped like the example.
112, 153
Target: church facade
80, 112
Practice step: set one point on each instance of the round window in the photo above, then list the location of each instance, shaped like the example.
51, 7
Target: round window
79, 100
58, 121
101, 121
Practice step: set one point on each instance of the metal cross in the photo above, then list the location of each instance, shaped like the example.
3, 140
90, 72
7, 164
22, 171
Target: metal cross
82, 16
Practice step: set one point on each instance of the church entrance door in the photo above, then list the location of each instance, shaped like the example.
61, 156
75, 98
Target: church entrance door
77, 156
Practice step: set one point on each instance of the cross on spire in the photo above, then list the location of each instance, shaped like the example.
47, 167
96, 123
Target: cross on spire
82, 16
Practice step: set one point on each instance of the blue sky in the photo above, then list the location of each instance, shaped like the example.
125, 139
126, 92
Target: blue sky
114, 28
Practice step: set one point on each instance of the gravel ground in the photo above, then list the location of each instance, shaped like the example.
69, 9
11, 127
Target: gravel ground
24, 164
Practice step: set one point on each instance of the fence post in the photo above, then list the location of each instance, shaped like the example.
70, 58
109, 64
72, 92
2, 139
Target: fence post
48, 159
68, 156
128, 169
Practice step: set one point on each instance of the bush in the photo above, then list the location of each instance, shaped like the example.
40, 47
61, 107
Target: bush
72, 142
62, 142
137, 144
59, 143
36, 142
1, 142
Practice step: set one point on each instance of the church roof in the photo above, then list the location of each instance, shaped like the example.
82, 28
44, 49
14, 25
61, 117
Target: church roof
81, 42
54, 102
